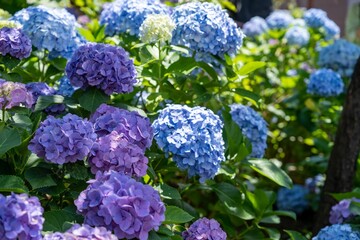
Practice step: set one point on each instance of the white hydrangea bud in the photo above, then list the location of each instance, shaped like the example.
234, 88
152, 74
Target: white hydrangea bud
156, 27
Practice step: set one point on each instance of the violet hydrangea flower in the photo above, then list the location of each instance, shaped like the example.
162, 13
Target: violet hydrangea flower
103, 66
325, 82
204, 228
341, 211
115, 152
120, 204
136, 128
15, 43
14, 94
194, 138
20, 217
338, 231
63, 140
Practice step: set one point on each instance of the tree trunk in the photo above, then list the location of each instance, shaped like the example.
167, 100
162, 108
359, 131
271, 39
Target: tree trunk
342, 163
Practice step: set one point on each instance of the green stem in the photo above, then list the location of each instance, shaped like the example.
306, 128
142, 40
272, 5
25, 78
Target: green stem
159, 61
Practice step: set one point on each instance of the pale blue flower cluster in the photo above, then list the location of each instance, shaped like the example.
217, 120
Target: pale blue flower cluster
279, 19
255, 27
332, 30
341, 56
326, 83
337, 231
315, 17
126, 16
315, 184
52, 29
294, 199
253, 126
298, 36
194, 138
206, 28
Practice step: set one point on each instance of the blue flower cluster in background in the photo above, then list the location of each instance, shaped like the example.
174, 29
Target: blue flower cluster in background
253, 126
120, 204
15, 43
294, 199
39, 24
337, 231
332, 30
315, 184
103, 66
126, 16
83, 232
279, 19
206, 28
65, 88
20, 217
326, 83
341, 56
296, 35
194, 138
255, 27
315, 17
204, 228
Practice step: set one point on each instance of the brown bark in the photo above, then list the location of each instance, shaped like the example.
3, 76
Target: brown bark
342, 163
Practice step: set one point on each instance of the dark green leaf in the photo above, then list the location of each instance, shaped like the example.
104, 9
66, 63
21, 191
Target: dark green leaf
54, 220
9, 138
248, 95
209, 70
295, 235
92, 98
39, 177
273, 233
10, 183
281, 213
175, 215
353, 194
169, 192
21, 120
153, 236
184, 65
355, 208
250, 67
9, 62
45, 101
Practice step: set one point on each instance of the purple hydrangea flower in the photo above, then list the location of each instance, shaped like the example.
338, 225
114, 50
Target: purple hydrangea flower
120, 204
56, 236
14, 94
338, 231
63, 140
204, 228
341, 211
15, 43
194, 138
115, 152
20, 217
103, 66
136, 128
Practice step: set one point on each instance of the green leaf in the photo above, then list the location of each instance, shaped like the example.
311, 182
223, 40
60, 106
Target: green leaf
39, 177
9, 62
183, 65
355, 193
45, 101
87, 34
22, 120
54, 220
355, 207
175, 215
294, 235
153, 236
273, 233
248, 95
10, 183
9, 138
209, 70
168, 192
92, 98
281, 213
271, 171
228, 194
250, 67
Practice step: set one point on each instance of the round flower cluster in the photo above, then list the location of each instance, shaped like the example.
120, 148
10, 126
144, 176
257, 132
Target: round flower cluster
341, 56
279, 19
326, 83
103, 66
337, 231
82, 232
14, 94
39, 24
193, 136
299, 22
204, 228
20, 217
255, 27
126, 16
253, 126
136, 128
341, 211
315, 184
315, 17
14, 42
294, 199
299, 36
115, 152
157, 27
331, 29
120, 204
206, 28
65, 88
63, 140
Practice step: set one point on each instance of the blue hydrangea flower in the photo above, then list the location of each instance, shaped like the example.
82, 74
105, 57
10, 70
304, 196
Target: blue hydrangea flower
120, 204
13, 94
65, 88
294, 199
332, 30
206, 28
253, 126
326, 83
20, 217
204, 228
255, 27
126, 16
315, 17
63, 140
337, 231
279, 19
299, 36
40, 23
194, 138
106, 67
341, 212
136, 128
298, 22
341, 56
15, 43
315, 184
